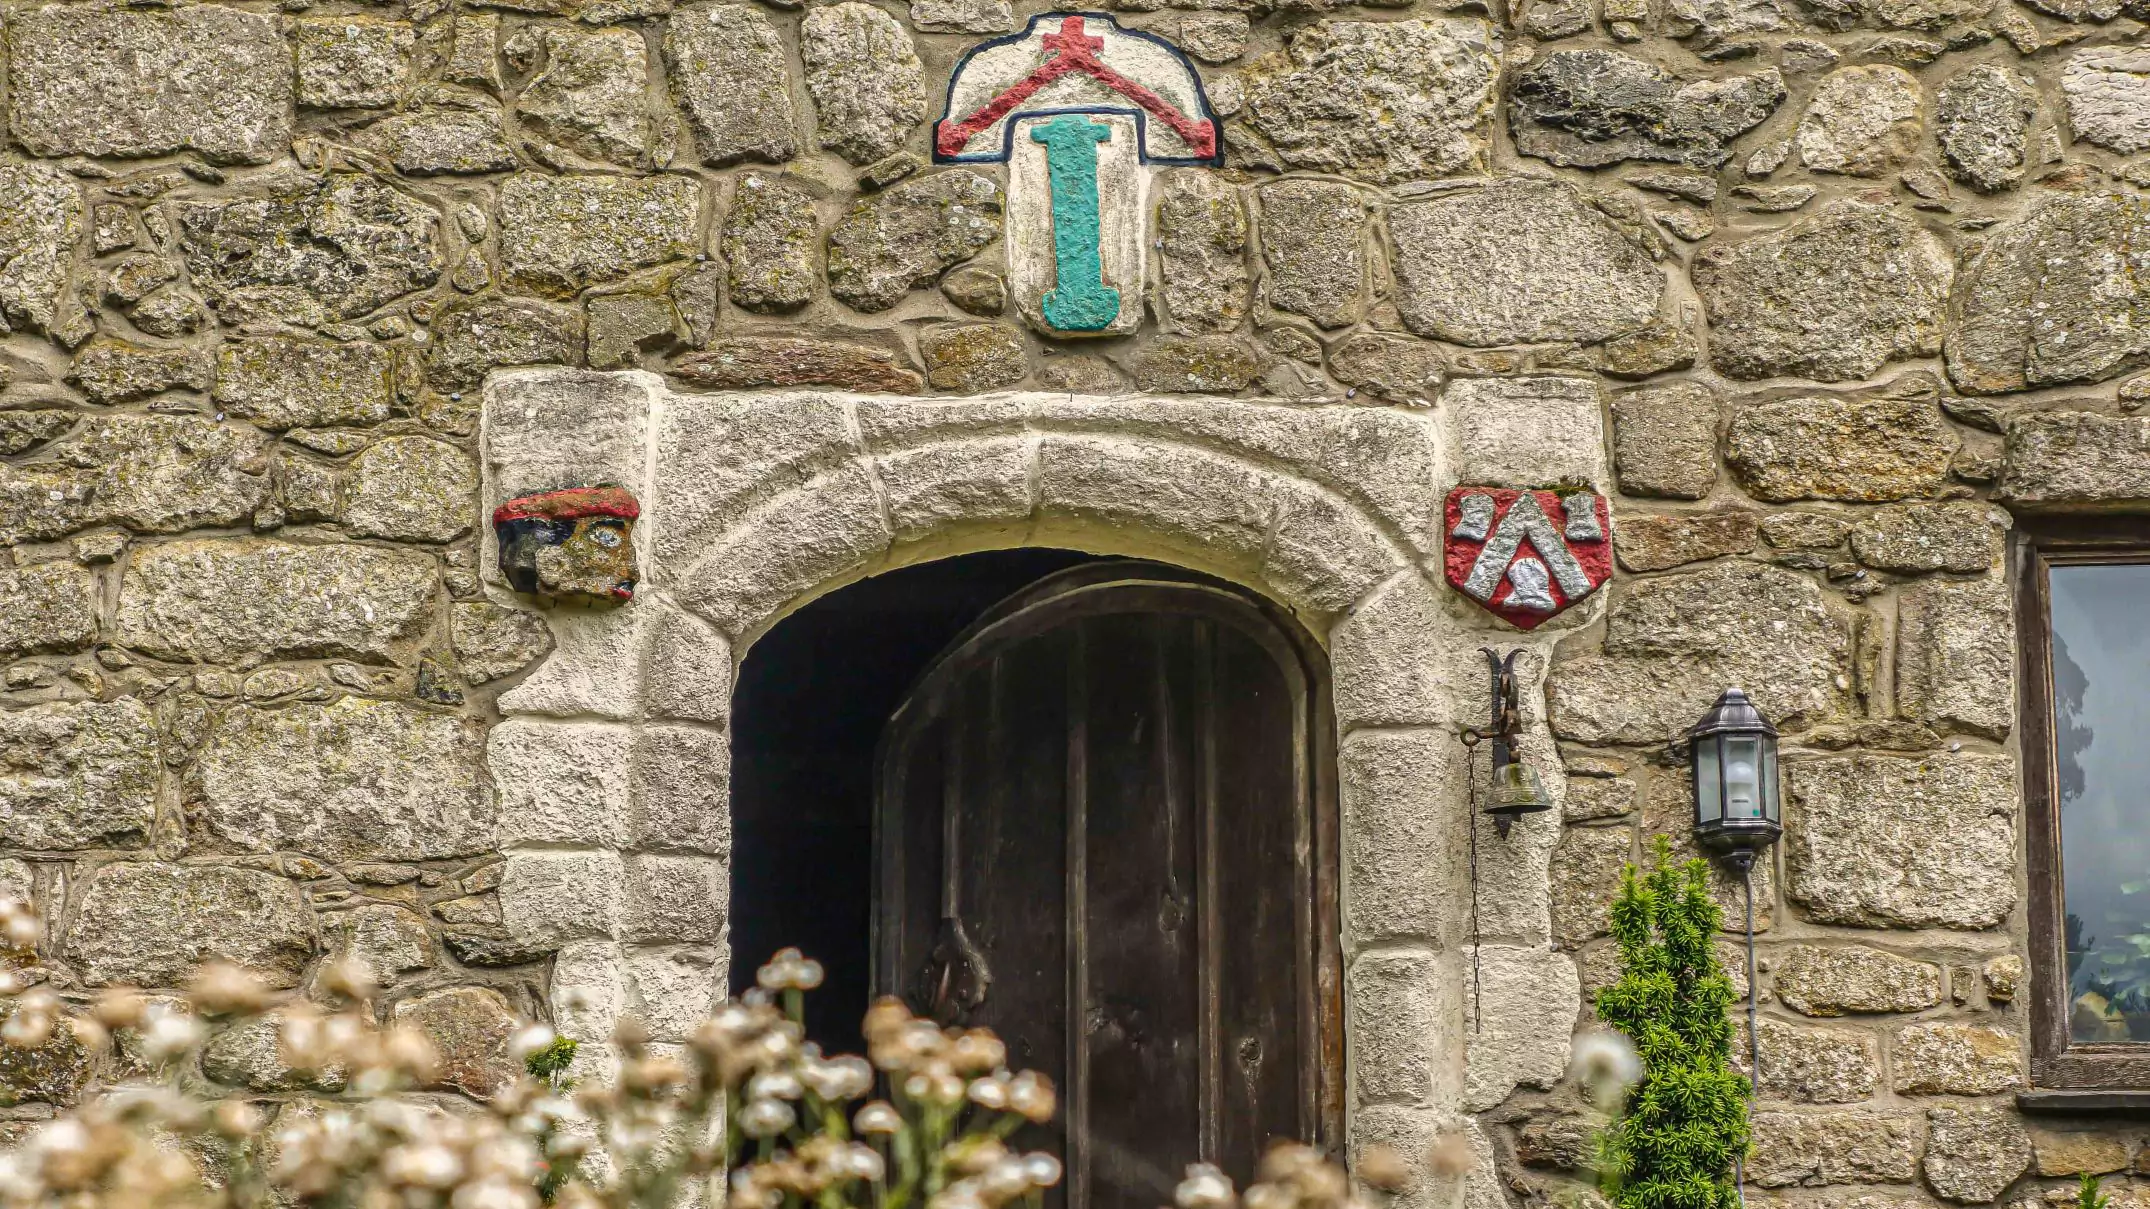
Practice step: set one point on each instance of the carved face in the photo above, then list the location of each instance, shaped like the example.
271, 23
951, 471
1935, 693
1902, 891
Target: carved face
576, 544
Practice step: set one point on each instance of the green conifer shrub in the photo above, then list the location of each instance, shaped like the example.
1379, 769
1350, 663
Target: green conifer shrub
1686, 1120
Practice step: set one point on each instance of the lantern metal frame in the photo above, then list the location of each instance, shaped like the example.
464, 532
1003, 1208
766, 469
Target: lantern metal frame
1713, 747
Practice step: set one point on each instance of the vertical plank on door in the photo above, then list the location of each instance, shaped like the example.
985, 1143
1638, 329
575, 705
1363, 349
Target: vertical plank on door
1140, 1008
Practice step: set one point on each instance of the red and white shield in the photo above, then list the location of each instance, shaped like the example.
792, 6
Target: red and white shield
1527, 555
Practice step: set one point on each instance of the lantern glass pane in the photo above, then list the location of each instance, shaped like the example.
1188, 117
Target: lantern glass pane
1771, 808
1709, 784
1742, 776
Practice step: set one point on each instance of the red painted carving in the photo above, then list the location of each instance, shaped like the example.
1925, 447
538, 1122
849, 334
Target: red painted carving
1526, 555
1073, 50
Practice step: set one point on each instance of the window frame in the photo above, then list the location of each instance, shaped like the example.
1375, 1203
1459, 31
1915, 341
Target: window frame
2044, 543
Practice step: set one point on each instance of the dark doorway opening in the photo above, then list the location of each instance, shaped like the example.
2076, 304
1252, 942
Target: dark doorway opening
807, 713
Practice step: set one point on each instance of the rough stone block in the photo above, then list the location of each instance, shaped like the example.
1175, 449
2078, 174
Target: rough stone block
1585, 876
559, 234
54, 1072
40, 223
1525, 432
867, 83
2108, 93
351, 62
1836, 1146
78, 776
1833, 297
1956, 655
1401, 836
1959, 536
250, 1055
90, 80
306, 249
354, 780
939, 487
149, 925
2048, 297
47, 608
287, 382
1828, 448
550, 428
1591, 108
2056, 457
904, 237
1768, 630
1944, 1058
675, 899
680, 799
674, 989
480, 334
1813, 1065
1401, 1007
1840, 979
412, 489
219, 599
151, 473
560, 782
1152, 492
1314, 243
786, 550
594, 667
697, 662
387, 941
1861, 121
1202, 278
1659, 541
2069, 1152
491, 641
1519, 261
1531, 998
1382, 101
548, 897
592, 95
1885, 841
770, 236
1974, 1153
1665, 440
729, 75
470, 1028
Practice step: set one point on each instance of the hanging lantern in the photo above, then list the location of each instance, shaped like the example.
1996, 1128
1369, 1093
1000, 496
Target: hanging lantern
1734, 753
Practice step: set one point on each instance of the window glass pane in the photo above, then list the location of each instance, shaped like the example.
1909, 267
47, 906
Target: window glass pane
2101, 707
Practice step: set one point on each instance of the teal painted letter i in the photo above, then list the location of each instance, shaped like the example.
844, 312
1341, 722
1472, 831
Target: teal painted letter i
1079, 301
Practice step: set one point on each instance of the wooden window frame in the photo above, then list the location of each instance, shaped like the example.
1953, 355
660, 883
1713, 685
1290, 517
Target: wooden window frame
2044, 543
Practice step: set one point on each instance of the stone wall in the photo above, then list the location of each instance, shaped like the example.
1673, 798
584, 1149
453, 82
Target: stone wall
1820, 289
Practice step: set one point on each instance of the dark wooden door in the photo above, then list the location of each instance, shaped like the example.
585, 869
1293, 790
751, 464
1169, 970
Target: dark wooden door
1106, 834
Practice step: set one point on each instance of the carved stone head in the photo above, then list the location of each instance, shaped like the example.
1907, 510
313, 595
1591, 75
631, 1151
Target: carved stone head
576, 544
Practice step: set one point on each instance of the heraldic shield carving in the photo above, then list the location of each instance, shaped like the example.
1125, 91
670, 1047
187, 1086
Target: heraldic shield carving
1081, 111
1527, 555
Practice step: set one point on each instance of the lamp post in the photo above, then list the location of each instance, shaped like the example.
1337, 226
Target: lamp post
1734, 753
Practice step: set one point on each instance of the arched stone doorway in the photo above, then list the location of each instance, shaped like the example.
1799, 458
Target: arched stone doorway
613, 756
1086, 802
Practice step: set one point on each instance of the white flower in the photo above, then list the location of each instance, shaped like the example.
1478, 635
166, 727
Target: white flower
1605, 1064
765, 1118
1204, 1188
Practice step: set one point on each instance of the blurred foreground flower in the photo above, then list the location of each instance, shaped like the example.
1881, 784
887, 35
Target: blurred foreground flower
746, 1114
